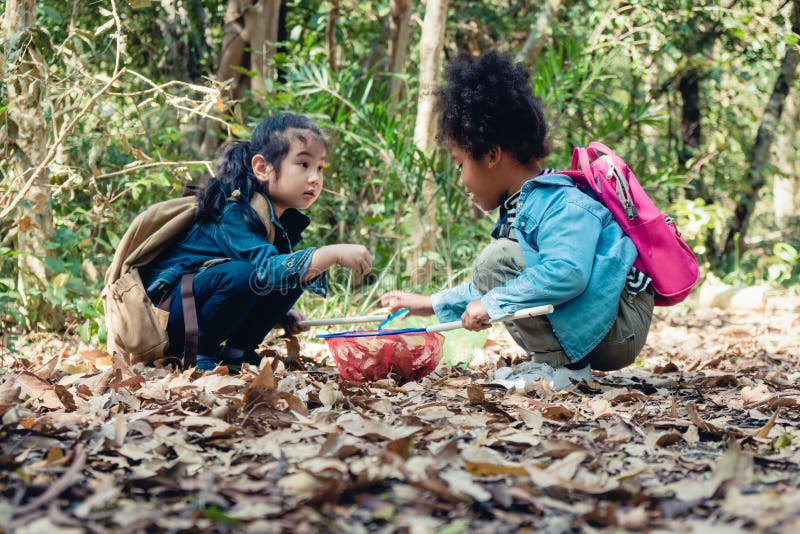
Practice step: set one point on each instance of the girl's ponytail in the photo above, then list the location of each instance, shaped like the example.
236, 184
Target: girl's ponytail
233, 172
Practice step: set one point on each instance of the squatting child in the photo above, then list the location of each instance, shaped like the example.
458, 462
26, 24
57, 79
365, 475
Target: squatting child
248, 273
552, 244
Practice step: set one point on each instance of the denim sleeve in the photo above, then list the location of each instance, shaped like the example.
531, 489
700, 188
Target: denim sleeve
449, 304
274, 271
566, 238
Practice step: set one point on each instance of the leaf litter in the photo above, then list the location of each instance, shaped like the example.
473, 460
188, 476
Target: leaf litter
701, 434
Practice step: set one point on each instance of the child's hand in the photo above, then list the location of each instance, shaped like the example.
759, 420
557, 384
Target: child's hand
291, 323
416, 304
356, 257
475, 317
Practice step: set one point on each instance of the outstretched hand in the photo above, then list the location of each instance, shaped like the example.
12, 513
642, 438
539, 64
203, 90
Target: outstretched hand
356, 257
417, 304
291, 323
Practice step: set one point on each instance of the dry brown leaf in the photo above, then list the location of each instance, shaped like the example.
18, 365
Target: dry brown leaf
533, 420
361, 426
556, 412
622, 396
734, 469
300, 485
763, 433
65, 397
482, 461
475, 394
694, 417
46, 370
39, 390
340, 446
754, 394
656, 438
9, 395
601, 408
691, 436
218, 383
329, 395
462, 484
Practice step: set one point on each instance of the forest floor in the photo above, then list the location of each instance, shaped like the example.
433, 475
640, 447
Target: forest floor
702, 434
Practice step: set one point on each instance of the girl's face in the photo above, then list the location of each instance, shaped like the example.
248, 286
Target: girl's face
298, 182
478, 177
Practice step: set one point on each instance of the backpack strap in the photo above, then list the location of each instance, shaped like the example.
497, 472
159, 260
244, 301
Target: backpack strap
259, 205
190, 340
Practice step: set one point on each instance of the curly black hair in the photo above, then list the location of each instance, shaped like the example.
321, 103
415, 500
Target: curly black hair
485, 102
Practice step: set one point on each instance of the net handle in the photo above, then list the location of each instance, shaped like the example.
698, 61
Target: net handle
344, 320
520, 314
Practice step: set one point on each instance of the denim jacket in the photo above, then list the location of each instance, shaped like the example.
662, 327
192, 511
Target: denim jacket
576, 258
276, 266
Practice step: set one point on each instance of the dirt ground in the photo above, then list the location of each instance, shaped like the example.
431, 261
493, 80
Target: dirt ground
701, 434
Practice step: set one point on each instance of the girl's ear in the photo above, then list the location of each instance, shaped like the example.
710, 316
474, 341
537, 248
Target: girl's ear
262, 169
495, 155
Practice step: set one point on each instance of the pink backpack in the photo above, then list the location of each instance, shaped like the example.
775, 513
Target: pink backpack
663, 255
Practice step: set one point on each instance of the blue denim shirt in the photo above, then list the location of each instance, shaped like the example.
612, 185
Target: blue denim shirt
276, 266
576, 259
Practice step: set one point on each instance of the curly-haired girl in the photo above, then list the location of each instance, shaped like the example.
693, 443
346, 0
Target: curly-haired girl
553, 243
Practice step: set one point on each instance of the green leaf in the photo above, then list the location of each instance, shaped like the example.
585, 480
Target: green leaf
215, 514
784, 440
139, 4
85, 332
456, 527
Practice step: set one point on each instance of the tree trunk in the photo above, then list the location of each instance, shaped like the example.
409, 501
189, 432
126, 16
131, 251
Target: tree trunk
419, 267
26, 89
330, 35
529, 53
234, 41
261, 25
756, 172
689, 89
400, 28
248, 24
784, 185
252, 25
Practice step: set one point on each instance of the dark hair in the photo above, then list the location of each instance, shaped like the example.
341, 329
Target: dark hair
272, 138
485, 102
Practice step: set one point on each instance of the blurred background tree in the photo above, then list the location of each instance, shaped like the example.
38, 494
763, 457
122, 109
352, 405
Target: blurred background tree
109, 106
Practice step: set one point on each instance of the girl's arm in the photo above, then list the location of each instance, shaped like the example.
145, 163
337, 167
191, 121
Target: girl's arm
279, 272
356, 257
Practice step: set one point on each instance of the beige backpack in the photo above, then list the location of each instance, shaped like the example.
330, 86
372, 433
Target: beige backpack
137, 330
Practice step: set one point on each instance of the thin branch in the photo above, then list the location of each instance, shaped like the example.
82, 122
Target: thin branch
70, 477
161, 87
73, 17
152, 165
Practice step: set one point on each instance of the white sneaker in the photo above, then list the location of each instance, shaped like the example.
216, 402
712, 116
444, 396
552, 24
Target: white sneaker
528, 372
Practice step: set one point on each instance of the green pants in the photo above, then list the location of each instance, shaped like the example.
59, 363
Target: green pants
502, 260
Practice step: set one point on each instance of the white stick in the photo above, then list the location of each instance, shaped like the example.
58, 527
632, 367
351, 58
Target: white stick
520, 314
345, 320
